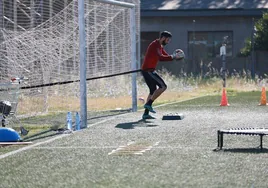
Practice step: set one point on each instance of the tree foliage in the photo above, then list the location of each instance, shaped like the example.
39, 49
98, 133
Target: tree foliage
260, 37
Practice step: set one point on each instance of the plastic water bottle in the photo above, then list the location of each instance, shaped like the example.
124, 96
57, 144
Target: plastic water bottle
69, 120
77, 121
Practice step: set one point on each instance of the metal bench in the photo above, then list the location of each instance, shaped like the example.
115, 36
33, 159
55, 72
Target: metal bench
242, 131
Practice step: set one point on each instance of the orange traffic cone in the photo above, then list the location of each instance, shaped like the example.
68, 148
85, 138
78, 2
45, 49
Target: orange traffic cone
263, 97
224, 101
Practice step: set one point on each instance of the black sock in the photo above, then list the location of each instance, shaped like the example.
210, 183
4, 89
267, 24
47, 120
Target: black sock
146, 112
150, 102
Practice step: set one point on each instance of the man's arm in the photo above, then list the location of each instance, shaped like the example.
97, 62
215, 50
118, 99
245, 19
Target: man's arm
163, 55
164, 52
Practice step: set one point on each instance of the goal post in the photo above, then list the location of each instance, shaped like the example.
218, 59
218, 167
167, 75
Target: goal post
82, 55
50, 43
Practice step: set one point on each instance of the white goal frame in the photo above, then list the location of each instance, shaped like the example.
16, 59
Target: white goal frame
82, 55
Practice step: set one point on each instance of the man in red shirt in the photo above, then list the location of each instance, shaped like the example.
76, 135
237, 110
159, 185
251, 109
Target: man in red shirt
155, 52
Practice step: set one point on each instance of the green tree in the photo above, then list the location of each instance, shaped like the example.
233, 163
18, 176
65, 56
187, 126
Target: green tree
260, 37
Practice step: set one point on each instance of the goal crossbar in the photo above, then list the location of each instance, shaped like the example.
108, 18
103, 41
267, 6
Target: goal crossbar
118, 3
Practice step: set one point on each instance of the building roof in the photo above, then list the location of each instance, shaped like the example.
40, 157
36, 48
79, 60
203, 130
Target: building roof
202, 4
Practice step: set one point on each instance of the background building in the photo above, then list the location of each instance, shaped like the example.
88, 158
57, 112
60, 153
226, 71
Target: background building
199, 28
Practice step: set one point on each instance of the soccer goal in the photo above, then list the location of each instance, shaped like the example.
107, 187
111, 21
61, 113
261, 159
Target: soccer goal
60, 41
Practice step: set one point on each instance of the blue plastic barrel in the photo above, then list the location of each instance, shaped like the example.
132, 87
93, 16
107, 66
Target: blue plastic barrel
9, 135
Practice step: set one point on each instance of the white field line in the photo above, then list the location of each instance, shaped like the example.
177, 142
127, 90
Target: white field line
178, 101
121, 147
61, 136
31, 146
47, 141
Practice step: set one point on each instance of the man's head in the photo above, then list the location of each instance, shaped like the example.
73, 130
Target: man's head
165, 37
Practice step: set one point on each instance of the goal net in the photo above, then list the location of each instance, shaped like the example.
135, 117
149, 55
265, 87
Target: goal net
40, 42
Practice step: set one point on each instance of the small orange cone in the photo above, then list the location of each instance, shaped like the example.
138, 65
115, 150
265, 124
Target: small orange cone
224, 101
263, 97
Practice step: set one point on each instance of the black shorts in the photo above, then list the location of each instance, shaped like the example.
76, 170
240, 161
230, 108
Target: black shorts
152, 79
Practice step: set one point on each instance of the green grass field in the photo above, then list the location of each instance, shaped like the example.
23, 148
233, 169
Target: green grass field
120, 150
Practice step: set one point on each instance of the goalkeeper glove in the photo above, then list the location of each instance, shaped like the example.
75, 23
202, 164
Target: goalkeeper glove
174, 55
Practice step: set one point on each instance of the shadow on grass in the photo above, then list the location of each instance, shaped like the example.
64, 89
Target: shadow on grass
40, 135
116, 112
244, 150
132, 125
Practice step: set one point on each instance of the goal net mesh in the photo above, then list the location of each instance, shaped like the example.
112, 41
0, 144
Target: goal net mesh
40, 42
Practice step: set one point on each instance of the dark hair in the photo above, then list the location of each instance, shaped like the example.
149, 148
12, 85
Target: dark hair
165, 34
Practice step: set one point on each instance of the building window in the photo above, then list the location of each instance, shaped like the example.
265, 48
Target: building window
206, 44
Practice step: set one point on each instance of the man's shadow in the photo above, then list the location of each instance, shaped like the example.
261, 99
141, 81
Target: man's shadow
132, 125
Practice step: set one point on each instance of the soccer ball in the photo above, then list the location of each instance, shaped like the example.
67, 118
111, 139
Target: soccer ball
180, 55
141, 99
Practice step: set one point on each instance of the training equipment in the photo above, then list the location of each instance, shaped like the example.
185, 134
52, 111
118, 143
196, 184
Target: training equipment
224, 100
9, 135
173, 116
40, 41
9, 96
141, 99
242, 131
179, 54
263, 101
2, 144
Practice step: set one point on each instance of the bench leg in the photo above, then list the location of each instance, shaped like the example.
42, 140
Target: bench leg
261, 141
220, 139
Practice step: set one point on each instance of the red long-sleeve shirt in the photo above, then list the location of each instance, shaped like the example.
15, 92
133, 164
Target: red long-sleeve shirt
155, 52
